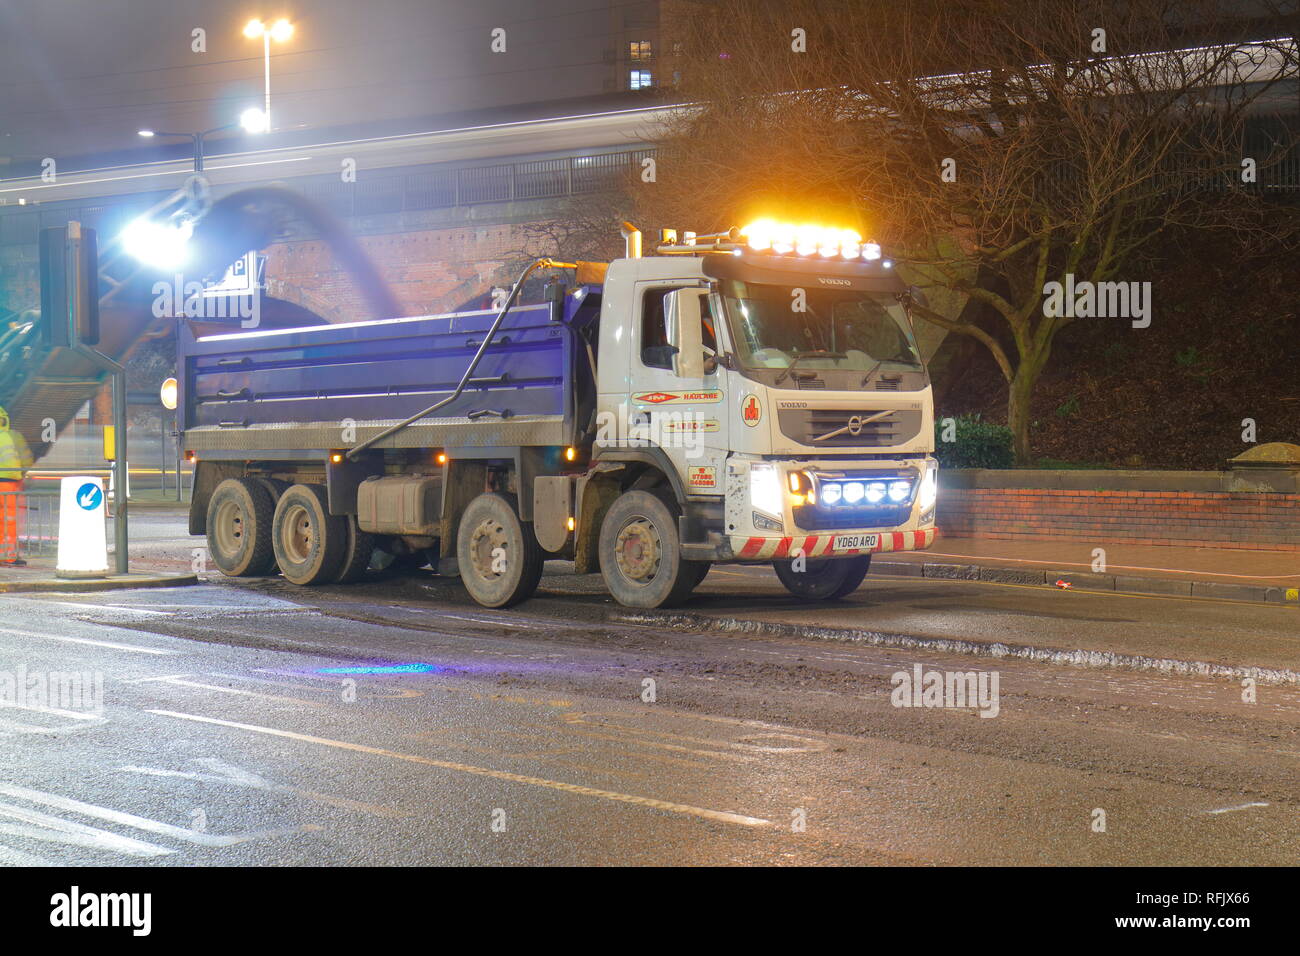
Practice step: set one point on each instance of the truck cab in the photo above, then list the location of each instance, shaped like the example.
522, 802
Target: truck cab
784, 399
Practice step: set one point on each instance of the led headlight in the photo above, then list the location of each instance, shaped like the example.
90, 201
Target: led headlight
875, 492
929, 492
853, 492
899, 490
765, 488
832, 492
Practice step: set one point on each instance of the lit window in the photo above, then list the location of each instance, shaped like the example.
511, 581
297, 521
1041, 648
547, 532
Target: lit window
640, 80
639, 50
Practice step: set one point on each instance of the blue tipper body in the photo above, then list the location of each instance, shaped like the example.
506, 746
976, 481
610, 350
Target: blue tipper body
376, 373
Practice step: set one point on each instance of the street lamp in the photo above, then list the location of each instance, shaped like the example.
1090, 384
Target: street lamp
252, 120
279, 31
164, 245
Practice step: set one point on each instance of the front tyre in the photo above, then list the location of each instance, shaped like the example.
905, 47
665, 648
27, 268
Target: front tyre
640, 554
825, 579
499, 557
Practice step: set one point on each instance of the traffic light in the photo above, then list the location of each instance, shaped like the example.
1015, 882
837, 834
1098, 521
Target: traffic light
69, 286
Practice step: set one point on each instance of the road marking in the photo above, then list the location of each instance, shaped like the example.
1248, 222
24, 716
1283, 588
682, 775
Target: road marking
180, 682
1125, 567
1244, 806
109, 607
224, 773
1042, 589
136, 649
486, 620
37, 709
141, 823
11, 857
682, 808
52, 829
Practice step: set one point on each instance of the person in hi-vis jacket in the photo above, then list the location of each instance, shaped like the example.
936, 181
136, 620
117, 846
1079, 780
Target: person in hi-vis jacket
15, 459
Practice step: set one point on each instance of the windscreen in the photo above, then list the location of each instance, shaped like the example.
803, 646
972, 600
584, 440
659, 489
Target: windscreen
775, 327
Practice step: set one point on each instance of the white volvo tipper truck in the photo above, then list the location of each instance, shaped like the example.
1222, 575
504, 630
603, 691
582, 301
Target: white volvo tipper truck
755, 396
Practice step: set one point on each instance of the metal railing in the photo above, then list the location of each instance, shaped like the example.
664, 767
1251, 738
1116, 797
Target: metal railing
29, 523
396, 190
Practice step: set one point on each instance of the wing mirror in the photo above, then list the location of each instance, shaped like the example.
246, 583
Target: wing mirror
682, 313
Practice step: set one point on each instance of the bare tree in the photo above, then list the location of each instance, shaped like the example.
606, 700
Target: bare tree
992, 147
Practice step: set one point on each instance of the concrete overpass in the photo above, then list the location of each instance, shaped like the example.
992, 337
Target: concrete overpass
438, 210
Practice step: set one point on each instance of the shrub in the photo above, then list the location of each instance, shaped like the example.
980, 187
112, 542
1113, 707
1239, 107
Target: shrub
976, 444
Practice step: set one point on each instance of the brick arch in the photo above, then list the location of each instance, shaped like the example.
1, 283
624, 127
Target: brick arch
313, 302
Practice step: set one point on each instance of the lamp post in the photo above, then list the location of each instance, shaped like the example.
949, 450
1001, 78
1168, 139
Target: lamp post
279, 31
252, 120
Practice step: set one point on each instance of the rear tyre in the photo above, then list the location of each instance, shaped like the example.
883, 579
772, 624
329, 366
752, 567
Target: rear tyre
240, 516
824, 580
499, 558
310, 543
276, 486
700, 569
356, 554
640, 554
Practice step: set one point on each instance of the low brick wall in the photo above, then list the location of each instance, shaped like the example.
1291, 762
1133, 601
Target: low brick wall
969, 508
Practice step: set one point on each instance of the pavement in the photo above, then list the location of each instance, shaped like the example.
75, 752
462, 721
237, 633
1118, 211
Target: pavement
1236, 574
41, 576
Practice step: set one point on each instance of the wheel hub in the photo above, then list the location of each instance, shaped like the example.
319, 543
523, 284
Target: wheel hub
298, 541
486, 538
638, 550
229, 526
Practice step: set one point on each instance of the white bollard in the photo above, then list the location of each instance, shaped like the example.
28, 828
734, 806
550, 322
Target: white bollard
83, 544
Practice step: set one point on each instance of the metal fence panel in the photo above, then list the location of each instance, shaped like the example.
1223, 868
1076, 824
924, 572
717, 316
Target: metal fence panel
31, 516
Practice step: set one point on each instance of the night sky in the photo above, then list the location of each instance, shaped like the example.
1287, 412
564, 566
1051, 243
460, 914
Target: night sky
81, 76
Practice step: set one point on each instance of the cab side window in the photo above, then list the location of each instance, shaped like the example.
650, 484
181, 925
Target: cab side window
655, 350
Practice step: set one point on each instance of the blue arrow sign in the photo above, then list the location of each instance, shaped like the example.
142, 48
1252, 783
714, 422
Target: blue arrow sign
90, 496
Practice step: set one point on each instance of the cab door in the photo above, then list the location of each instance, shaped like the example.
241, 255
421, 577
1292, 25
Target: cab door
686, 417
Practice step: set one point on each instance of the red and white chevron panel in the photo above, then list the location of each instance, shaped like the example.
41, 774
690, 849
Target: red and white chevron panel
820, 545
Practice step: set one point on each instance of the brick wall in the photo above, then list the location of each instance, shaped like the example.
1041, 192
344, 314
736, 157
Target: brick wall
1188, 518
429, 270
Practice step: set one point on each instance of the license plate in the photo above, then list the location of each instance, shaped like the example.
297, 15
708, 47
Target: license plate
855, 542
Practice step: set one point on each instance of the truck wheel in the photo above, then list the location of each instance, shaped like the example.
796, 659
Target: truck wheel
276, 486
824, 580
500, 560
701, 571
239, 528
356, 554
310, 543
640, 557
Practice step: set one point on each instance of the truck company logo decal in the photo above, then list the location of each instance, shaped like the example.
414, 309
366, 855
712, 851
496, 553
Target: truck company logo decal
702, 476
818, 545
824, 281
692, 425
751, 410
678, 398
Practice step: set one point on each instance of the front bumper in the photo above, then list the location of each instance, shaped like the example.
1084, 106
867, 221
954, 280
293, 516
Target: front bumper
754, 548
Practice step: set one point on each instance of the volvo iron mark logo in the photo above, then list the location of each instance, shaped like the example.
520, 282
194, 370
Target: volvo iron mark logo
855, 424
824, 281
